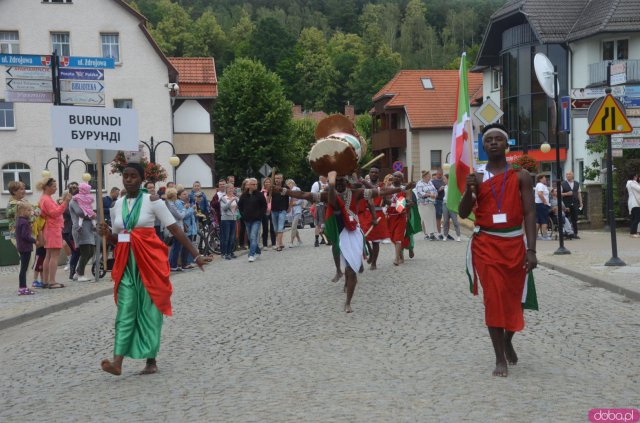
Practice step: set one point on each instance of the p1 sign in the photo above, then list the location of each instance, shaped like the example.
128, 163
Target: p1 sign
93, 128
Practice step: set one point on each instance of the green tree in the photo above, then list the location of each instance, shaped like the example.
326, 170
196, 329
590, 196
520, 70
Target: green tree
414, 33
371, 75
210, 40
271, 42
174, 32
317, 76
302, 137
346, 52
240, 36
252, 119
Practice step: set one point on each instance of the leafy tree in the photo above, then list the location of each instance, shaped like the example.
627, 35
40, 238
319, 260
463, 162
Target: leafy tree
414, 36
316, 73
251, 120
346, 52
173, 33
240, 36
302, 137
210, 40
271, 42
371, 75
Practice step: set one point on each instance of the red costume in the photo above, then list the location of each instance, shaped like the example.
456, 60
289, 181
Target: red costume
397, 220
498, 251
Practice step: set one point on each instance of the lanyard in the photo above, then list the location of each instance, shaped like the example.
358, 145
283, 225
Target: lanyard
493, 191
126, 207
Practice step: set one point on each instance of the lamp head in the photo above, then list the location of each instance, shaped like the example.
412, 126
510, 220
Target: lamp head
86, 177
545, 148
174, 161
45, 173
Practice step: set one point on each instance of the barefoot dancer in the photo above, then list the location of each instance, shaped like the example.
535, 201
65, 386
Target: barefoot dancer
140, 272
397, 217
380, 231
501, 199
341, 205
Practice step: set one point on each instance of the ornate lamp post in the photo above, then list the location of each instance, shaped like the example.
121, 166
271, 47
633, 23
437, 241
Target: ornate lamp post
152, 146
63, 170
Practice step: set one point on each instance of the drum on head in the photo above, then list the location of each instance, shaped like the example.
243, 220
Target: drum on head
339, 147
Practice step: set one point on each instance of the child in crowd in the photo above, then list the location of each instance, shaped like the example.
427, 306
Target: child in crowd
85, 201
24, 242
41, 252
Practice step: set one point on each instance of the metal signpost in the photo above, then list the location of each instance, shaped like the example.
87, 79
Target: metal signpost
610, 119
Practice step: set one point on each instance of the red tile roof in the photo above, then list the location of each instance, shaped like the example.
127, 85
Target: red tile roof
428, 108
197, 76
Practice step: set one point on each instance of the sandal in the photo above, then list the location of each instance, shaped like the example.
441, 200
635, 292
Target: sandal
55, 285
25, 291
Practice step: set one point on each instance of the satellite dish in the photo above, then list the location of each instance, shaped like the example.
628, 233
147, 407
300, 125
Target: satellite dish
544, 73
107, 155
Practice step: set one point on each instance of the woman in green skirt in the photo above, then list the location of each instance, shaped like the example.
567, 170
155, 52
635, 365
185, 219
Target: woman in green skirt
140, 272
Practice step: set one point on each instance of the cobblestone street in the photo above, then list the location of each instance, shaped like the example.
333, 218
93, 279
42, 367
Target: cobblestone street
268, 342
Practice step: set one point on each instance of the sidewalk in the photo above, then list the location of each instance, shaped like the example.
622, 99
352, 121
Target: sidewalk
586, 262
588, 256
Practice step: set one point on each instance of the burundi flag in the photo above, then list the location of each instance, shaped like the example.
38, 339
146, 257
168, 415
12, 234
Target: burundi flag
463, 161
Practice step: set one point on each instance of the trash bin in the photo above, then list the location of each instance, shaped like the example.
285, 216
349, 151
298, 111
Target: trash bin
8, 253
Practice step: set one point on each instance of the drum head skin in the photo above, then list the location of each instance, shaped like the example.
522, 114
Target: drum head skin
332, 124
335, 154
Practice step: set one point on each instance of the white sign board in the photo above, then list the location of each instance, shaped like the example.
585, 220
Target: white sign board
90, 127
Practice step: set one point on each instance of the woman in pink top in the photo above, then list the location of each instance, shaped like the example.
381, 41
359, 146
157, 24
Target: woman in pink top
52, 213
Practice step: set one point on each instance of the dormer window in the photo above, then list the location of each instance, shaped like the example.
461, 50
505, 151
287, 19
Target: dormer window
426, 83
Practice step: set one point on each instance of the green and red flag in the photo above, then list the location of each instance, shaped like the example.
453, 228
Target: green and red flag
462, 161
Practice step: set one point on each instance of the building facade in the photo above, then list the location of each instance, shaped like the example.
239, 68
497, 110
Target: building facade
413, 117
580, 37
91, 28
192, 123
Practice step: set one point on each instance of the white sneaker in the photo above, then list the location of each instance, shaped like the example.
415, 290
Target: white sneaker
252, 259
83, 279
75, 277
66, 268
458, 239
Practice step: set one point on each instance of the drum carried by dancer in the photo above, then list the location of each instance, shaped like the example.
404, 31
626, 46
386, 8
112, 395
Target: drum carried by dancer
336, 154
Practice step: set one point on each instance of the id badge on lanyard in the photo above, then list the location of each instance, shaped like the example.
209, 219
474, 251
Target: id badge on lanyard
124, 237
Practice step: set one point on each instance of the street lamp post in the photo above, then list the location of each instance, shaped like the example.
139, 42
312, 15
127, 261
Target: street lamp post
63, 165
561, 249
152, 146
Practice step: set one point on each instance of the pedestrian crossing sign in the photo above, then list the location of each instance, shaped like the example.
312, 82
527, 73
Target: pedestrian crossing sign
610, 119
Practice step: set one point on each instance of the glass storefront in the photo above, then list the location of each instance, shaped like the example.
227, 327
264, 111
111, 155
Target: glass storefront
528, 112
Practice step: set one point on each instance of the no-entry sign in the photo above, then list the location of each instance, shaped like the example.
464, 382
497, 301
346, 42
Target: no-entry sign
90, 127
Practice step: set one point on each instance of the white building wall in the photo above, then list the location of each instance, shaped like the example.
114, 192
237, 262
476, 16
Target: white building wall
192, 117
141, 76
584, 53
433, 139
194, 169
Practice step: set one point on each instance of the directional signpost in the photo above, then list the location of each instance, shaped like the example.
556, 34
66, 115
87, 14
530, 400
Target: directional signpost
610, 119
82, 98
83, 86
82, 74
33, 72
36, 85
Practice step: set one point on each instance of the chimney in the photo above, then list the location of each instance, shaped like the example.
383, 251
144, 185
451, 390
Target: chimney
297, 111
350, 112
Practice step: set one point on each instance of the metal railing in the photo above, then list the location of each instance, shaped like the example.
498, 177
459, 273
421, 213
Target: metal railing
598, 71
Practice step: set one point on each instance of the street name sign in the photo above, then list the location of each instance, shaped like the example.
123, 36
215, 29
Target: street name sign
631, 101
33, 72
609, 119
29, 85
28, 97
82, 98
87, 62
83, 86
24, 60
82, 74
94, 128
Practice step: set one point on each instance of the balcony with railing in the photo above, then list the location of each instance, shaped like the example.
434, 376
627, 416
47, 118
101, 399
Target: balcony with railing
389, 138
598, 72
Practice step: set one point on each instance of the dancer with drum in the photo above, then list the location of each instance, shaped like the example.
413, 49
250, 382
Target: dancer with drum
341, 201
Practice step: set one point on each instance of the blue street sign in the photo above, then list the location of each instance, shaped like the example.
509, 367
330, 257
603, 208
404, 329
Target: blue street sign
24, 60
82, 74
632, 90
87, 62
482, 155
630, 101
511, 141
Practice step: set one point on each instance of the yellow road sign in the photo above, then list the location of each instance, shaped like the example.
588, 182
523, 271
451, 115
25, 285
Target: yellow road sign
610, 119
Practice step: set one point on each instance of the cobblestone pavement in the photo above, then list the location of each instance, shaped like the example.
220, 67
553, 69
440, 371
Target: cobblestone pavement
268, 342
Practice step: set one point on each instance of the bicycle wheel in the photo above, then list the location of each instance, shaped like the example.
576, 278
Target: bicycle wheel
213, 242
